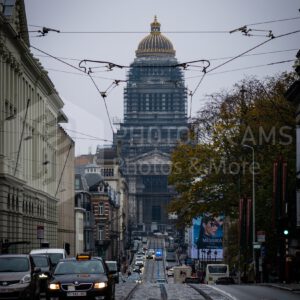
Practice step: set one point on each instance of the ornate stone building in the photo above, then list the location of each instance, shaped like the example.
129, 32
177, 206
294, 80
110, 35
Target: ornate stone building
155, 119
33, 149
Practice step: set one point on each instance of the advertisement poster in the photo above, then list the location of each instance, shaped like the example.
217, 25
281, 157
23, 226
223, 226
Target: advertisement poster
207, 237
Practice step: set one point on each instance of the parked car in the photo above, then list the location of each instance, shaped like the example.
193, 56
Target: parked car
55, 254
192, 280
84, 277
225, 280
139, 263
19, 278
113, 268
44, 263
170, 272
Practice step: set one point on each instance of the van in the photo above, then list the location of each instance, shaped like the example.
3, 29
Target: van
55, 254
215, 271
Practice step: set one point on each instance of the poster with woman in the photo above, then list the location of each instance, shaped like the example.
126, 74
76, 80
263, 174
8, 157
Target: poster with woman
208, 234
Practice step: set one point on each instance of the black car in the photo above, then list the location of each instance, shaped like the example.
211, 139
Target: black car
113, 268
19, 278
44, 263
83, 277
225, 280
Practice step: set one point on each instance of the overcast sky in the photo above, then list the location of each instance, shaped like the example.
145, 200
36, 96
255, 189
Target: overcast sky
121, 25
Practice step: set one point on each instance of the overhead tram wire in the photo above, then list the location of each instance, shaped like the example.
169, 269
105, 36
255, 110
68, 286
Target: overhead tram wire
108, 115
244, 68
241, 54
105, 104
168, 32
210, 59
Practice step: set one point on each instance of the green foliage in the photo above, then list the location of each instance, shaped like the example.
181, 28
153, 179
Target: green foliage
214, 170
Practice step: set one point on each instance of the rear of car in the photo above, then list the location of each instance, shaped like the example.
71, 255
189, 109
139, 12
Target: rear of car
82, 277
113, 268
55, 254
18, 277
43, 262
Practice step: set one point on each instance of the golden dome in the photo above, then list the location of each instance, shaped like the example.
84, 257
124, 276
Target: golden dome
155, 43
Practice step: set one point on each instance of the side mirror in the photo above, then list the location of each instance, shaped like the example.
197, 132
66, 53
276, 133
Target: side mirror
36, 270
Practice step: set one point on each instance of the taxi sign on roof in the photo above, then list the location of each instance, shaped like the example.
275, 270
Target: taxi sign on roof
83, 257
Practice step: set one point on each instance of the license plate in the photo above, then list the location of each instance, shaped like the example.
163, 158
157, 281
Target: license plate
5, 291
76, 294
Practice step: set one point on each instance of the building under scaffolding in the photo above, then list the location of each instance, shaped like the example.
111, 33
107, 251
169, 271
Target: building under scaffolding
155, 119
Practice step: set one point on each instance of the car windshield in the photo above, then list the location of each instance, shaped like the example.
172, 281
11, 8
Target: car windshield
55, 257
14, 264
40, 261
112, 266
79, 267
217, 269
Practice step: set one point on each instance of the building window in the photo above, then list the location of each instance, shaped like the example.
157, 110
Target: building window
107, 172
101, 233
88, 217
101, 208
77, 184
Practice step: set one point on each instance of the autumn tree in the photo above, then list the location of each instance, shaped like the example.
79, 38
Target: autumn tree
213, 170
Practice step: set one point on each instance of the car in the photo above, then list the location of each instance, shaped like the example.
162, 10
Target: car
139, 257
44, 263
19, 278
139, 263
55, 254
113, 267
192, 280
84, 277
225, 280
170, 272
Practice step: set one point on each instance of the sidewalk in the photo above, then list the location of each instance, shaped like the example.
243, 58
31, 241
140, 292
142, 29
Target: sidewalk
284, 286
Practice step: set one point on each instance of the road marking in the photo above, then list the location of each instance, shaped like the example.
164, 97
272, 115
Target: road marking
223, 292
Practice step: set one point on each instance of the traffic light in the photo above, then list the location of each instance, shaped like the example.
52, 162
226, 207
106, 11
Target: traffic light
285, 226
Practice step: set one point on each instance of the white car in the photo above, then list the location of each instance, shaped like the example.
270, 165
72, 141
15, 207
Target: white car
139, 263
170, 272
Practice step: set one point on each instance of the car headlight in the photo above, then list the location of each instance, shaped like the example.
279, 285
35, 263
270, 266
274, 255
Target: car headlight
100, 285
54, 286
43, 275
26, 279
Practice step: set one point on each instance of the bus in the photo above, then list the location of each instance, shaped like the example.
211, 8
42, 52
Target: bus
215, 271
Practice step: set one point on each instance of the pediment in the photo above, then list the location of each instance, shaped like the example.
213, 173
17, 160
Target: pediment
152, 158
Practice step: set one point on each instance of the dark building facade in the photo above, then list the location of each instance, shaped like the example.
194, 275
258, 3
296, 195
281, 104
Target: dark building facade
155, 120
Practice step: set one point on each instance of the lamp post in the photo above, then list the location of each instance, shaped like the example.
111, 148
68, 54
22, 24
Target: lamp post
253, 207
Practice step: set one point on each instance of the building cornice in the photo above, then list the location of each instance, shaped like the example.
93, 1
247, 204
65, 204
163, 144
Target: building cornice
28, 60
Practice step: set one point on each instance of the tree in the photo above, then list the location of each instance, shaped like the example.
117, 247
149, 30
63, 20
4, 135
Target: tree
213, 170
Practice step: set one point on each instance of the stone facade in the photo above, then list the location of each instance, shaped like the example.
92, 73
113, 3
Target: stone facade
30, 111
155, 120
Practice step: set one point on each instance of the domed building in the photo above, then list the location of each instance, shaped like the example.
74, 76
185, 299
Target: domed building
155, 119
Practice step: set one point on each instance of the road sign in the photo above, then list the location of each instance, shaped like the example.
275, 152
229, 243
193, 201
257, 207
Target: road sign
261, 236
40, 231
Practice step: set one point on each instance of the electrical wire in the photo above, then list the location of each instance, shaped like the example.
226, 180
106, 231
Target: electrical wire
257, 46
106, 108
244, 68
171, 32
210, 59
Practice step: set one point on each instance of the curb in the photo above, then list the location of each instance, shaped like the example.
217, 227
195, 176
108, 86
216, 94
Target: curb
286, 288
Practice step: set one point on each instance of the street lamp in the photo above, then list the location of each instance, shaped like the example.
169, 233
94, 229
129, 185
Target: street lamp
253, 206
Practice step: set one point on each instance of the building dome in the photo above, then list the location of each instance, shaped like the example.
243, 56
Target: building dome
155, 43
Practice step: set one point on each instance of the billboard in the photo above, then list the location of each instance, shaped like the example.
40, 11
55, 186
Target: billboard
207, 237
